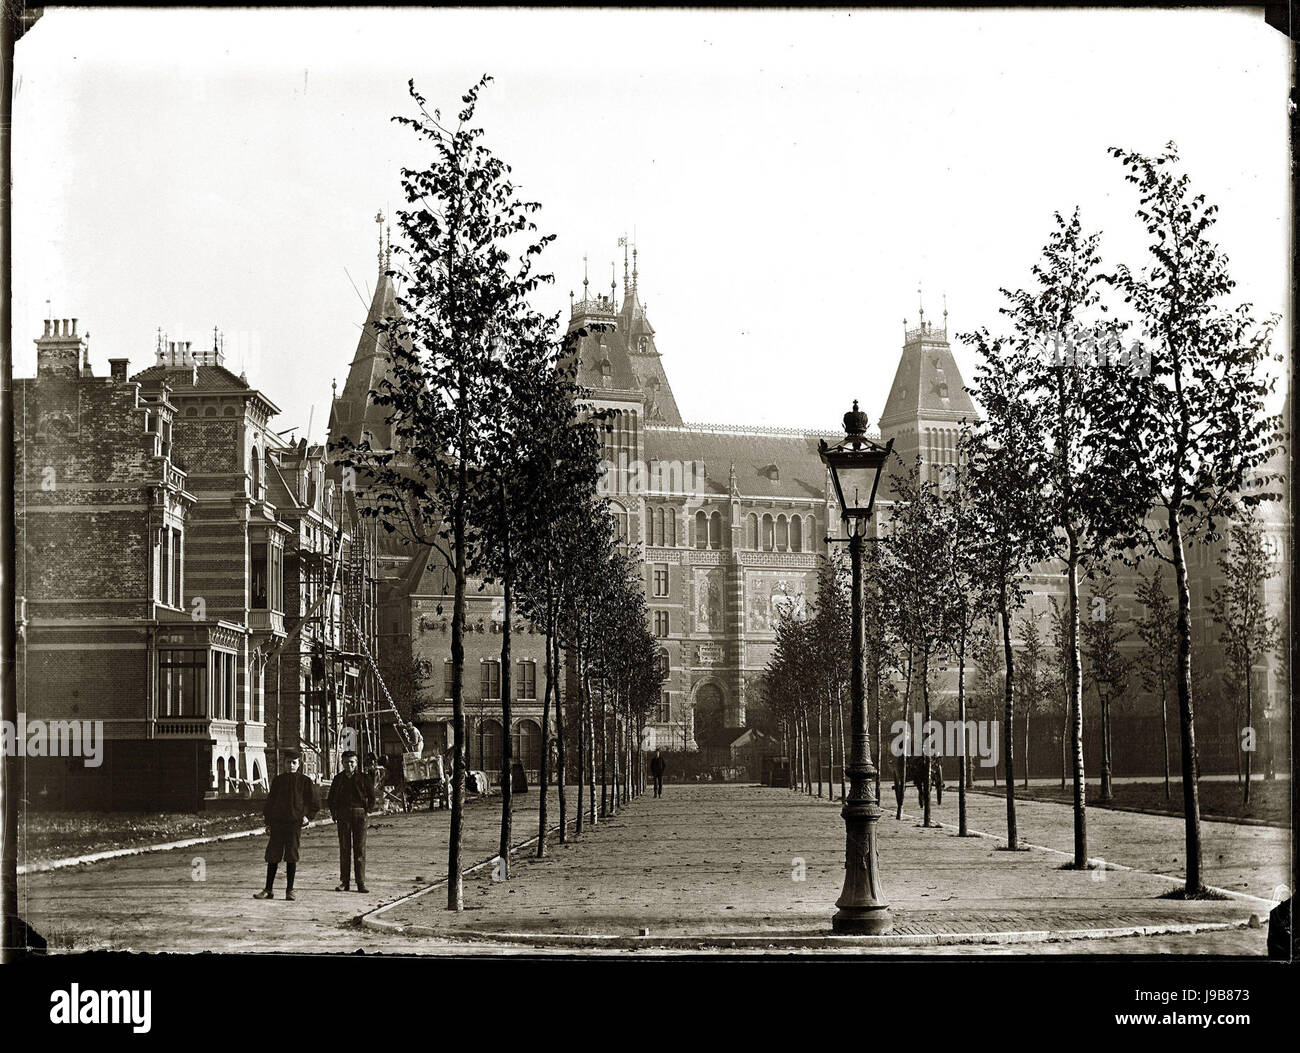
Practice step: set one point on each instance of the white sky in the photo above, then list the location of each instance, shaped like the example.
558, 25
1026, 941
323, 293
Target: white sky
790, 176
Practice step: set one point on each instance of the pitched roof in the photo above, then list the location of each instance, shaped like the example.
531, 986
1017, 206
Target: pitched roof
927, 383
186, 380
769, 462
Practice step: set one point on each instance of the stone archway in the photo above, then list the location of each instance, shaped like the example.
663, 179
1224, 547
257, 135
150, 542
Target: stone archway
709, 710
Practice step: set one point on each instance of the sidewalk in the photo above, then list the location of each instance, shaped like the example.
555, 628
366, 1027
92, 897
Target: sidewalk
736, 866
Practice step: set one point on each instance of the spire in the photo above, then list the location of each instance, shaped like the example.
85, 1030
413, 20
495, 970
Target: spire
388, 246
622, 242
920, 303
945, 313
584, 277
634, 269
611, 283
379, 222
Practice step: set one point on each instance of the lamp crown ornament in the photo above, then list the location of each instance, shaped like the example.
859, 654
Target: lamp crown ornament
855, 422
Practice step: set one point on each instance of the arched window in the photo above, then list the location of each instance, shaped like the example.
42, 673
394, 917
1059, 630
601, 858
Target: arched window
485, 749
701, 529
769, 534
255, 466
782, 534
715, 530
751, 531
221, 775
526, 744
622, 524
659, 526
796, 534
662, 663
670, 527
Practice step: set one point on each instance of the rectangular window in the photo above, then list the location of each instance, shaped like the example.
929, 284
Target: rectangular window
182, 683
661, 624
277, 578
164, 566
176, 568
663, 711
527, 679
661, 579
448, 678
257, 577
490, 680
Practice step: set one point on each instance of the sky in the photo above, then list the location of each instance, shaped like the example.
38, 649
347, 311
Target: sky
797, 183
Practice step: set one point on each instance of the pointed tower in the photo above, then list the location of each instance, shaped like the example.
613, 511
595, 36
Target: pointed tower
928, 399
352, 414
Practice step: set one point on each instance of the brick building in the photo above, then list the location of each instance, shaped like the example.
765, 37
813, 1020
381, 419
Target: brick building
157, 516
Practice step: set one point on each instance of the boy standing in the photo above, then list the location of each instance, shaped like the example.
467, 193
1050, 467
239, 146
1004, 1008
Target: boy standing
352, 796
291, 802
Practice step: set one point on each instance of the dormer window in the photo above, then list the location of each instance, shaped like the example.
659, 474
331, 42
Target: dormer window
773, 472
606, 370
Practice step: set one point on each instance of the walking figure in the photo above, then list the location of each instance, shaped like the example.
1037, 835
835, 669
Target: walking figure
352, 797
657, 766
289, 805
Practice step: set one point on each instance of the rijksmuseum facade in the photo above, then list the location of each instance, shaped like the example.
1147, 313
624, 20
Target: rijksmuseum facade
730, 522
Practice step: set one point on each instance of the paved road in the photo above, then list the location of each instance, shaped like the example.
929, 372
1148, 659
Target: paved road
739, 861
719, 856
155, 901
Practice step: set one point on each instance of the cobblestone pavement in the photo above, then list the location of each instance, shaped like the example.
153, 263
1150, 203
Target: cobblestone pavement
718, 859
154, 902
746, 862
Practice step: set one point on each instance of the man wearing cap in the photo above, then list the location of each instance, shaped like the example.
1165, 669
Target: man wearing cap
291, 802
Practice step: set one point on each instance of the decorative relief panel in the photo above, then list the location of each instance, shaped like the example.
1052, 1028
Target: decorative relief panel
770, 592
780, 559
709, 607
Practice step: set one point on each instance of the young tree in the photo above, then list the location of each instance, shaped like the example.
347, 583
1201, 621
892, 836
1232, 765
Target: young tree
1031, 675
1193, 433
1156, 629
1073, 364
1247, 631
1012, 530
465, 294
987, 689
1107, 666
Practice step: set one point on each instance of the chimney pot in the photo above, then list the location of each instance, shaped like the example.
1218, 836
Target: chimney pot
74, 327
117, 369
47, 327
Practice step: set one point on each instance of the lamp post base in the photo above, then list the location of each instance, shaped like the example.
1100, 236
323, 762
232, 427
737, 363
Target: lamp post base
862, 910
862, 921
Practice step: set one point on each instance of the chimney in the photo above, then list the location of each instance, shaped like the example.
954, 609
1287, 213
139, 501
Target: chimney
60, 352
117, 370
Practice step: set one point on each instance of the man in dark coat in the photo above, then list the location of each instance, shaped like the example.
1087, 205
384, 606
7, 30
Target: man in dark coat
657, 767
352, 796
291, 802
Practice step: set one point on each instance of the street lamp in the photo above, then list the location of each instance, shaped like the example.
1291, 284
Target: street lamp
855, 465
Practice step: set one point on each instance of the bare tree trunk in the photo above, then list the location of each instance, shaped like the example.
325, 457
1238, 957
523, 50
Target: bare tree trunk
455, 885
926, 758
604, 752
1250, 726
1164, 730
1074, 684
580, 674
1107, 792
545, 775
507, 745
558, 670
1013, 841
591, 749
1186, 713
1029, 712
820, 765
963, 769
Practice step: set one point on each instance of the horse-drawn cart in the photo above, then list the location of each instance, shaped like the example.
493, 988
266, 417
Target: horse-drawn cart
412, 779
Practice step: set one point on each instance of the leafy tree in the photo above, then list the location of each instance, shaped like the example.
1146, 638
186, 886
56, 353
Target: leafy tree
1247, 631
1193, 433
1156, 629
1108, 667
1074, 363
1012, 531
915, 572
464, 296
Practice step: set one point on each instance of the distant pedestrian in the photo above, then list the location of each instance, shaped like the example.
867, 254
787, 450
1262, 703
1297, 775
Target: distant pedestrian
289, 805
657, 767
351, 799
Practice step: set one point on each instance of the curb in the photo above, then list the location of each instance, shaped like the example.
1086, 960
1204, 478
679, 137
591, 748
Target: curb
139, 850
763, 942
1227, 820
371, 920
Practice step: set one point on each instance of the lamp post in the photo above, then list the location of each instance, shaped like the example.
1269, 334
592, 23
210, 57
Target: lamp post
855, 465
